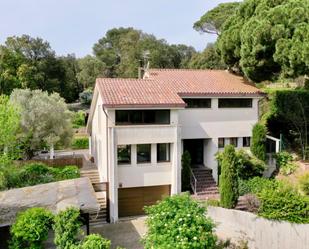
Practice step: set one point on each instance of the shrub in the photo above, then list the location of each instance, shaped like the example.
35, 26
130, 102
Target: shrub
185, 171
258, 145
68, 172
80, 143
35, 173
284, 203
304, 183
285, 163
252, 203
178, 222
256, 185
228, 185
213, 202
79, 119
31, 228
86, 96
95, 241
67, 227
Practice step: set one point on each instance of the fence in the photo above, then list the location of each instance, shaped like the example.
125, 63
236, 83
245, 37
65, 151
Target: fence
58, 162
259, 232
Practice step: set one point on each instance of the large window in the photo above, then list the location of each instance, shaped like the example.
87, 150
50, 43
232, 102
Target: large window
235, 103
128, 117
124, 154
143, 153
198, 103
221, 142
163, 152
246, 141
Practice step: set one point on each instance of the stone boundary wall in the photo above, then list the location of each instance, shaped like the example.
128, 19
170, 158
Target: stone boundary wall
259, 232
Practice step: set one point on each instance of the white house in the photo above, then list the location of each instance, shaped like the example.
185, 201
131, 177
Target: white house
139, 128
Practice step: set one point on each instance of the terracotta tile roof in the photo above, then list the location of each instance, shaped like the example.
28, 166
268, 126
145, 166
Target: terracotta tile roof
165, 87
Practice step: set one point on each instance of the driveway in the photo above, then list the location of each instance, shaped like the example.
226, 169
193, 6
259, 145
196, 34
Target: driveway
126, 233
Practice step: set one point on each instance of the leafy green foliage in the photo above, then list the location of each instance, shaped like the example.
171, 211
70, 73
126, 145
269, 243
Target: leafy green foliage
86, 96
258, 145
304, 183
45, 119
95, 241
31, 228
280, 31
178, 222
79, 119
185, 171
208, 59
284, 203
256, 184
33, 174
228, 184
80, 143
285, 163
212, 21
67, 227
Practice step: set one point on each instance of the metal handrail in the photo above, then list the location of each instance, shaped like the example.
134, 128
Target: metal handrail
193, 181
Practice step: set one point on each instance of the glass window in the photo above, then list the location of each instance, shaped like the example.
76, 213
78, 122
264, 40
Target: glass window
235, 103
246, 141
143, 153
124, 154
234, 141
221, 142
163, 152
198, 103
127, 117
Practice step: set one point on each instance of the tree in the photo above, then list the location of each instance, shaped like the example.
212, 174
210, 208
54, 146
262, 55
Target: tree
208, 59
258, 145
267, 39
9, 124
185, 171
229, 192
212, 21
45, 119
90, 69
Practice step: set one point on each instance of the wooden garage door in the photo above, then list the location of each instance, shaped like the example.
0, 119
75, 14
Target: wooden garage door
131, 201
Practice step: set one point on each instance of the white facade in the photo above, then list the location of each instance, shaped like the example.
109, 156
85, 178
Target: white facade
208, 124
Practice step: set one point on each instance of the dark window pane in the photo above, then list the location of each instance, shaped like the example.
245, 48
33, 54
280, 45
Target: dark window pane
149, 117
221, 142
235, 103
163, 152
143, 153
136, 117
198, 103
127, 117
124, 154
234, 141
162, 117
122, 117
246, 141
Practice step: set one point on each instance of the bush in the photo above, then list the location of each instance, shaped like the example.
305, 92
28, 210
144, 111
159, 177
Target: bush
85, 97
95, 241
228, 184
67, 227
284, 203
304, 183
185, 171
258, 145
80, 143
285, 163
79, 119
31, 228
178, 222
256, 185
68, 172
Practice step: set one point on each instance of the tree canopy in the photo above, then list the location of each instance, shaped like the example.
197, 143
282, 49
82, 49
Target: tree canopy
267, 39
45, 119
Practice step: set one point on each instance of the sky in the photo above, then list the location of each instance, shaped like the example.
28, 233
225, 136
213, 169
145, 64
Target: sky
73, 26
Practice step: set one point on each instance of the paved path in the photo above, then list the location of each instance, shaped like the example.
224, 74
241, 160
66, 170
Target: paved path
127, 233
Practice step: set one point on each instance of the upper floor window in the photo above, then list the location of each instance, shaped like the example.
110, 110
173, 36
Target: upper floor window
221, 142
198, 103
137, 117
234, 141
143, 152
124, 154
163, 152
235, 103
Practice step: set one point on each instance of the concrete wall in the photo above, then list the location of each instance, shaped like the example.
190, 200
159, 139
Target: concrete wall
259, 232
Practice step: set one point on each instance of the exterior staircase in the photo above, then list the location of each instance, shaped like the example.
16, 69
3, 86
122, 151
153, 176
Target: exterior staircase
203, 185
100, 192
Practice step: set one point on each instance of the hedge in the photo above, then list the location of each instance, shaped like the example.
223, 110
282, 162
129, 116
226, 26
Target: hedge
80, 143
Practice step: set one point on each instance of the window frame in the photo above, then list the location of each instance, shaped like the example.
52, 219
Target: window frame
220, 145
130, 153
188, 106
234, 139
143, 162
168, 153
145, 115
246, 139
222, 106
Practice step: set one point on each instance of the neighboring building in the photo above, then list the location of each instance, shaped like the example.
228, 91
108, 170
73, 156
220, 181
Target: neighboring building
140, 127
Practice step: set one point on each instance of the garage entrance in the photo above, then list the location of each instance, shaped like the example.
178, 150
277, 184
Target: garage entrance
131, 201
